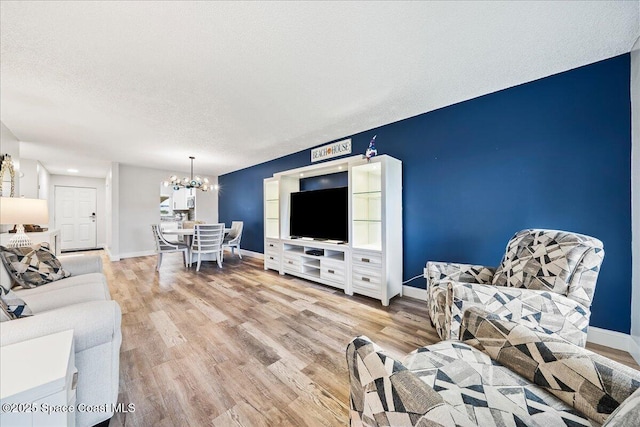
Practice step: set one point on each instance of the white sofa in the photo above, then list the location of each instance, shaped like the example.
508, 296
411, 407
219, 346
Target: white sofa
83, 303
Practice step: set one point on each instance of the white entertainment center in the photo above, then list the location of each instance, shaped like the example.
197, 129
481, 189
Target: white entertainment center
370, 263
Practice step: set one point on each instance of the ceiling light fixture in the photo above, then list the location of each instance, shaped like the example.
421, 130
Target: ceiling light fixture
189, 183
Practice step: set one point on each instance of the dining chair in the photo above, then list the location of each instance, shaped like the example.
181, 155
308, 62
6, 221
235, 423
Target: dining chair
207, 239
163, 246
232, 240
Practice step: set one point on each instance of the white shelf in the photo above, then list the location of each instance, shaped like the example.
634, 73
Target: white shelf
371, 262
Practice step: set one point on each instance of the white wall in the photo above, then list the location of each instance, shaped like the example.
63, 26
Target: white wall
78, 181
10, 145
113, 211
139, 208
28, 178
139, 200
44, 180
207, 204
635, 201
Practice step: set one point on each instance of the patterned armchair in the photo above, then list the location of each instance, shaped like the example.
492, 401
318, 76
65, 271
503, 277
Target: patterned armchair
546, 281
501, 374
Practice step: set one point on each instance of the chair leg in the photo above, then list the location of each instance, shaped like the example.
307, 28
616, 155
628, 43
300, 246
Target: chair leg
159, 262
186, 256
239, 254
198, 266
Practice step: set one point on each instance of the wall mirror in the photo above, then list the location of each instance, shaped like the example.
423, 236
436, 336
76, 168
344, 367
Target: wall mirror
7, 177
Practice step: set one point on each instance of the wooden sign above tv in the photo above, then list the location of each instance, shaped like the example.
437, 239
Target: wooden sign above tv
332, 150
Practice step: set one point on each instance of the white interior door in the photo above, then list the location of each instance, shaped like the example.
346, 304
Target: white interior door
75, 210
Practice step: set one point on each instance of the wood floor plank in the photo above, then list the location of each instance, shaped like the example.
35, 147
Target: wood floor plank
241, 346
169, 333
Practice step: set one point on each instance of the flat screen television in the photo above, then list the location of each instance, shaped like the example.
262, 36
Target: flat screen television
320, 214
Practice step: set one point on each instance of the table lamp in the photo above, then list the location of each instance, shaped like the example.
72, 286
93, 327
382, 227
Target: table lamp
14, 210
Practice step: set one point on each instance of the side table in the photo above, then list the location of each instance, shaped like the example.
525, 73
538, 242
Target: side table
38, 381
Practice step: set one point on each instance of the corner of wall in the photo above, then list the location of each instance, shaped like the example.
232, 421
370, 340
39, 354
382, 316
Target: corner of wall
635, 200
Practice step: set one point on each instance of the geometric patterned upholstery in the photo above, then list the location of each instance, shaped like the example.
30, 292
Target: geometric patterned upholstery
13, 307
504, 374
546, 280
589, 382
546, 260
31, 267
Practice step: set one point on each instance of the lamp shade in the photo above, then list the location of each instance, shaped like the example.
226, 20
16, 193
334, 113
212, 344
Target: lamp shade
14, 210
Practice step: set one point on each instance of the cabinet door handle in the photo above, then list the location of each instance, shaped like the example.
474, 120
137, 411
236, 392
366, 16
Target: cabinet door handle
270, 257
365, 260
331, 271
74, 381
290, 262
271, 244
366, 279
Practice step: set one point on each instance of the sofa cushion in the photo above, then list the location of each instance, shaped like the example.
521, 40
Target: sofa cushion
34, 266
16, 307
52, 297
543, 259
627, 414
69, 282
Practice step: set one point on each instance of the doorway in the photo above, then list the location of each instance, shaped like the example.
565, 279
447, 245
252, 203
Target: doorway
75, 217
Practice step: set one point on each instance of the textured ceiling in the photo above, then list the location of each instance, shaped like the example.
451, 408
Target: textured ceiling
239, 83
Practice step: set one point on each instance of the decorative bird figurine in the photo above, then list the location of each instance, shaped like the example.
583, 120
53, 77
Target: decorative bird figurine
372, 151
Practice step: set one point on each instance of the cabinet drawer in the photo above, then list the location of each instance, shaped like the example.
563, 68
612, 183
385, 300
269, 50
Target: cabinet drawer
271, 246
367, 258
332, 273
272, 265
366, 278
272, 258
293, 264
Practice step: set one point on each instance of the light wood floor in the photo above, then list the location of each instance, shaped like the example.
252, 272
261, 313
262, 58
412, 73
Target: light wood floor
241, 346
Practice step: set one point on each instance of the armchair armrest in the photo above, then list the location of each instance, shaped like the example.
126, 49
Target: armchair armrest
543, 311
93, 323
81, 264
590, 383
468, 273
385, 392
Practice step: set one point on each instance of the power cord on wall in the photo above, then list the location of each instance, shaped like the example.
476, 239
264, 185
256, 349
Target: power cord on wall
413, 278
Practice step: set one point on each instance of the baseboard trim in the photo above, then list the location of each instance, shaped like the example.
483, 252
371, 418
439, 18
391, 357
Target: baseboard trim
136, 254
251, 254
415, 293
612, 339
634, 348
112, 257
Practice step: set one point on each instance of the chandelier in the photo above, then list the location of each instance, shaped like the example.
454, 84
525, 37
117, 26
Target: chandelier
190, 182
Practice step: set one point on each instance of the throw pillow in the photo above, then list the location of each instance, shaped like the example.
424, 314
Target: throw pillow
4, 312
627, 414
34, 266
16, 307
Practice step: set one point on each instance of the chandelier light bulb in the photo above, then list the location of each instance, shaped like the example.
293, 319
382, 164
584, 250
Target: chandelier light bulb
190, 182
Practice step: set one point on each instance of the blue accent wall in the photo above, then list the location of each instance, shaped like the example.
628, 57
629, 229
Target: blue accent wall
553, 153
333, 180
